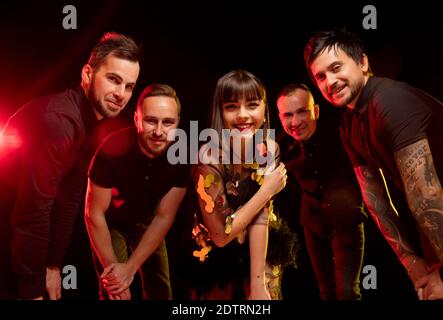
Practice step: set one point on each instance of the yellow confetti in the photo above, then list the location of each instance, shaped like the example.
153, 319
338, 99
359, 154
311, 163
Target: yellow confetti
228, 224
209, 179
276, 271
257, 177
255, 166
241, 237
272, 217
202, 254
260, 180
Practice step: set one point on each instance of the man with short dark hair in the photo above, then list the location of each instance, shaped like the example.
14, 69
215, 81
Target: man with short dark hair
332, 211
51, 163
387, 125
132, 199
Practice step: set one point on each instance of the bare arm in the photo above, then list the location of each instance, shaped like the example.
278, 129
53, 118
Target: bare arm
119, 276
214, 216
423, 190
385, 216
97, 202
258, 242
159, 227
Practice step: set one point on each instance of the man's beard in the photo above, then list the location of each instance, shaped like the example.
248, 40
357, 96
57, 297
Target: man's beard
355, 91
95, 102
152, 150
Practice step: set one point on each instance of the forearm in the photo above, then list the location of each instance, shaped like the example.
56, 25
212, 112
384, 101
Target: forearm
258, 240
249, 211
429, 214
101, 239
242, 218
384, 214
423, 191
151, 240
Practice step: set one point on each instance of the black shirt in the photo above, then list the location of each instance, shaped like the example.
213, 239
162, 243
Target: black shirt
388, 116
52, 172
138, 182
331, 195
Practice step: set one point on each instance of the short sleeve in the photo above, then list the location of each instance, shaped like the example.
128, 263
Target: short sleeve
403, 116
100, 169
181, 177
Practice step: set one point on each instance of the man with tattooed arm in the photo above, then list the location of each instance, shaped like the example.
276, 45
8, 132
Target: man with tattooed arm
390, 128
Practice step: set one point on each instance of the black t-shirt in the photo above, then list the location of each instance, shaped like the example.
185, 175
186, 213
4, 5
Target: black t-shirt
138, 183
389, 116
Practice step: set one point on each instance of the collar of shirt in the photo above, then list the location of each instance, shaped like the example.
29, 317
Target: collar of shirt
88, 116
366, 95
314, 139
149, 162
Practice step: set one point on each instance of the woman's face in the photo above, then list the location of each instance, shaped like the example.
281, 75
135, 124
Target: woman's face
243, 118
247, 116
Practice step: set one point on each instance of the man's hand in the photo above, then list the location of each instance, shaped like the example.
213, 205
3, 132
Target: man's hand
416, 268
53, 283
117, 277
125, 295
431, 284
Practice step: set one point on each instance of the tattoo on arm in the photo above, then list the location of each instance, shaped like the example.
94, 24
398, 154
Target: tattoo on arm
423, 190
382, 211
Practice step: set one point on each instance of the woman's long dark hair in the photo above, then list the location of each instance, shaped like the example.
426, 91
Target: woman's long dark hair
234, 86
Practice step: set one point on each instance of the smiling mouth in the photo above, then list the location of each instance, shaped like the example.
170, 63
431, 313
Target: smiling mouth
115, 105
336, 91
243, 127
157, 141
296, 130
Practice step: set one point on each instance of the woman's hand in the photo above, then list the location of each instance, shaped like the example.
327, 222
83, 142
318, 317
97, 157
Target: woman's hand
259, 292
275, 181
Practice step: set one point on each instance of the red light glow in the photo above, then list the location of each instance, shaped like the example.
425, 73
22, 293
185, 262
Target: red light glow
9, 141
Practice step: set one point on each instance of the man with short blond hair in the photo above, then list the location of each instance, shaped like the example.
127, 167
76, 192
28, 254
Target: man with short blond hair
132, 199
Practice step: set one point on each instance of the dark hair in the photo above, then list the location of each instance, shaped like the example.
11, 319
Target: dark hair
158, 89
119, 45
290, 88
333, 39
233, 86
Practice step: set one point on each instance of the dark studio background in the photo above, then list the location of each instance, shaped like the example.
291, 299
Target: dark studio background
189, 45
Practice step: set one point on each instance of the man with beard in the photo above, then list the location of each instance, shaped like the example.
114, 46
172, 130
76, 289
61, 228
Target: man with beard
392, 126
132, 199
45, 191
332, 212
